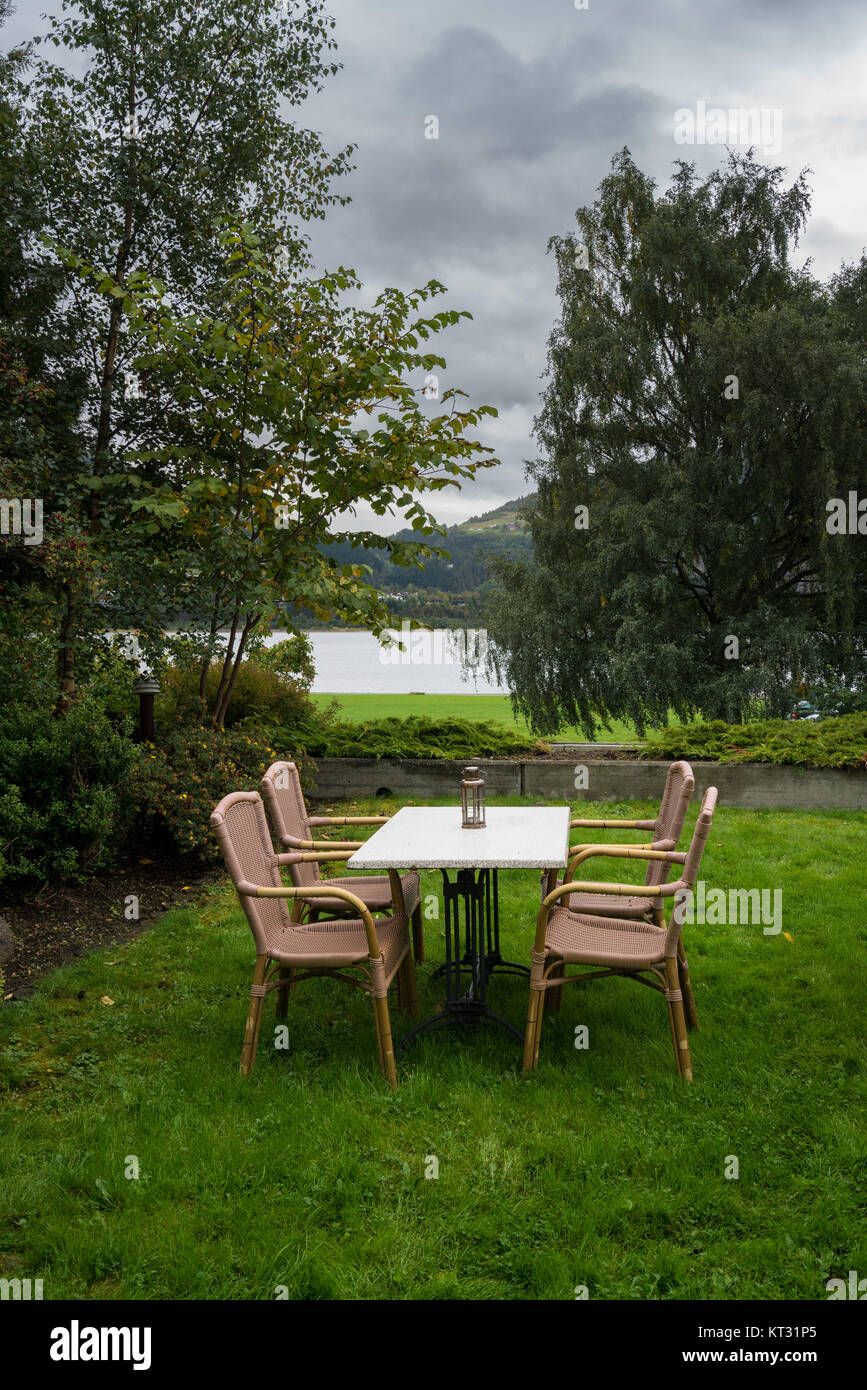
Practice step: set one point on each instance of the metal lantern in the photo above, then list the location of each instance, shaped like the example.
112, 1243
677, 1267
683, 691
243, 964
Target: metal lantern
472, 799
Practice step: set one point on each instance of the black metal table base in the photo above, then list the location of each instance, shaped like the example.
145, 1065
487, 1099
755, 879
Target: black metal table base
493, 961
467, 973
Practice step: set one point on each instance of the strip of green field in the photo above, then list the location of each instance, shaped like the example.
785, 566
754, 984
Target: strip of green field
362, 707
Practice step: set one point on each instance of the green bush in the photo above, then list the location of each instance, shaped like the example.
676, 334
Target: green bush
62, 791
28, 661
180, 780
839, 699
840, 743
265, 690
414, 737
108, 676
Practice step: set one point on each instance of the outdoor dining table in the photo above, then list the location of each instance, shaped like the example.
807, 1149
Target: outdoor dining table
432, 837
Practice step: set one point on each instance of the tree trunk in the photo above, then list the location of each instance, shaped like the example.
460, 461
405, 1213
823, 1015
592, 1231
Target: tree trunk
223, 703
65, 663
206, 661
227, 664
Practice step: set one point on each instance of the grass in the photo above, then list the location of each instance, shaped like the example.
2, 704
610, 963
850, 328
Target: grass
602, 1169
362, 707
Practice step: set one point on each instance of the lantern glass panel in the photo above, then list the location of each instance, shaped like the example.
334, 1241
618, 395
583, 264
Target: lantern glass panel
472, 799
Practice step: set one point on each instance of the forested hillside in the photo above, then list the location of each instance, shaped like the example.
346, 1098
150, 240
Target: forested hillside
448, 591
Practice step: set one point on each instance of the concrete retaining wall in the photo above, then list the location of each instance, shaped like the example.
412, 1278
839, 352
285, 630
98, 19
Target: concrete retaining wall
746, 784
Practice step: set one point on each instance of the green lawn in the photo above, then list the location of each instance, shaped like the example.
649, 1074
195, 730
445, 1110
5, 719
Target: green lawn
602, 1169
361, 707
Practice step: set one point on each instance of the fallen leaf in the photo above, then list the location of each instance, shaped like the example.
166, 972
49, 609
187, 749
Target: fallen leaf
105, 1000
788, 938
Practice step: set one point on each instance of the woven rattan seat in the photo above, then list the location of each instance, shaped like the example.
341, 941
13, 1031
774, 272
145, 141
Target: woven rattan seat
583, 940
340, 943
376, 892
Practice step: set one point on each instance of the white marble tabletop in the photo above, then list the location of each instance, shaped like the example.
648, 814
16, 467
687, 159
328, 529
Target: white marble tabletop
431, 837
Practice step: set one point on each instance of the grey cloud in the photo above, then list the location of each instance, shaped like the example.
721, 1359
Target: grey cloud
534, 98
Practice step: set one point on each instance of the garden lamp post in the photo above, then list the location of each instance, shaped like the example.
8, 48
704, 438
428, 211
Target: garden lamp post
146, 688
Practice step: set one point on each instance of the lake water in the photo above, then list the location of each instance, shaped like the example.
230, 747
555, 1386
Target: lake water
426, 661
349, 662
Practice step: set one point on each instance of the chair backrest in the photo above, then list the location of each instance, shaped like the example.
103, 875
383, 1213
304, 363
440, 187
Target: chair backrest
242, 831
689, 873
679, 787
281, 788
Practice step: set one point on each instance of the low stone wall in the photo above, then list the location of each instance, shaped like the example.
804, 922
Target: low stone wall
745, 784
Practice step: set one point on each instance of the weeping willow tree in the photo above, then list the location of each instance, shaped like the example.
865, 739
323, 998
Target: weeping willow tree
705, 401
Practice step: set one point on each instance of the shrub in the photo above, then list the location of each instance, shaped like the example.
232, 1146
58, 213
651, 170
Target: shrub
414, 737
28, 660
839, 699
62, 785
180, 780
108, 676
840, 743
265, 690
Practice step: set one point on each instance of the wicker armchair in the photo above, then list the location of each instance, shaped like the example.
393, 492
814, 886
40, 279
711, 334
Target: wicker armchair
615, 945
285, 946
666, 830
665, 833
281, 788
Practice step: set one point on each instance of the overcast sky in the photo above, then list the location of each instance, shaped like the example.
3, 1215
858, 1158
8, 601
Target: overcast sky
533, 98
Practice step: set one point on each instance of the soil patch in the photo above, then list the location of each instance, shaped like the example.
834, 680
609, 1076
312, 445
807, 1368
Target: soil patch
60, 922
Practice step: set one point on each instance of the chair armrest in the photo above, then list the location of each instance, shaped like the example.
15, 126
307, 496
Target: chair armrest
654, 850
612, 824
314, 856
611, 844
618, 890
575, 850
324, 845
258, 890
348, 820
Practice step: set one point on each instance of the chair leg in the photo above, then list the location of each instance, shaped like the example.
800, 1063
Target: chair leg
678, 1019
254, 1018
554, 994
673, 1036
686, 988
537, 1042
534, 1009
410, 993
399, 982
417, 933
378, 1039
287, 985
386, 1047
